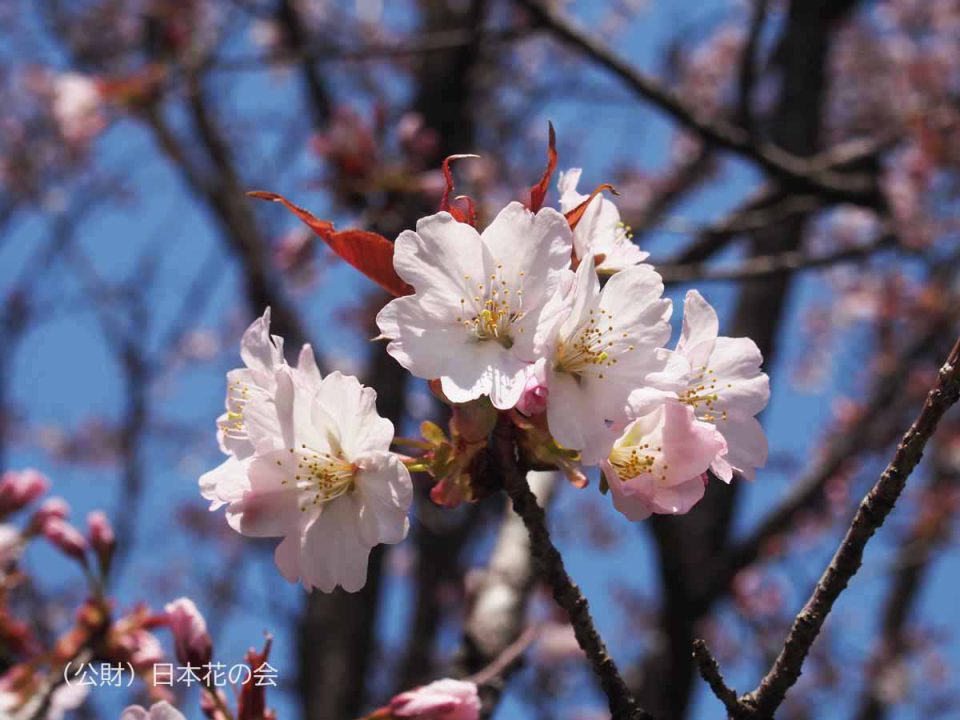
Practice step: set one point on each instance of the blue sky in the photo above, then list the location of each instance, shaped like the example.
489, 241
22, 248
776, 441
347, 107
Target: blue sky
64, 374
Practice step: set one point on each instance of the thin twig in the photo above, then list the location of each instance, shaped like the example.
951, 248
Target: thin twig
801, 173
567, 595
873, 511
710, 671
765, 266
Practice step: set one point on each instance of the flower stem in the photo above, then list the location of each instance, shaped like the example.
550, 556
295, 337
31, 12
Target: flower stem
567, 595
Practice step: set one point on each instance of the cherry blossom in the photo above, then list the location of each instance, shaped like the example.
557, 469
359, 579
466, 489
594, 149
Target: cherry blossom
600, 230
478, 300
77, 105
322, 477
440, 700
602, 346
725, 388
659, 463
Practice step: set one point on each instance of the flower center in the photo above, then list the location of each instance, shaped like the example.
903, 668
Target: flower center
631, 462
593, 346
319, 477
702, 395
498, 309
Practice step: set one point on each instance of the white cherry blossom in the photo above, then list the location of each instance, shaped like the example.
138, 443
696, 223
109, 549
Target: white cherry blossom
478, 299
327, 484
726, 387
600, 230
601, 346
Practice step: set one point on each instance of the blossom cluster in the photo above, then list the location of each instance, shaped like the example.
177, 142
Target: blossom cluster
518, 314
548, 320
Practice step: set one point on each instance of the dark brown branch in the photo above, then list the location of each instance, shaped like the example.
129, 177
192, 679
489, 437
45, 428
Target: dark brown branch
710, 671
870, 516
565, 591
803, 174
765, 266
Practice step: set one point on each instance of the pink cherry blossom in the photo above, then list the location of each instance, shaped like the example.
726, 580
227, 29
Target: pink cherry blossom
658, 464
478, 300
440, 700
725, 388
600, 230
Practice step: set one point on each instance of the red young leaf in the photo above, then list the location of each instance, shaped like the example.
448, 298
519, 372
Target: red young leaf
368, 252
539, 191
445, 205
576, 215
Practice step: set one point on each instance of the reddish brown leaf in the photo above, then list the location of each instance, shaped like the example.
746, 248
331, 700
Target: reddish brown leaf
539, 191
368, 252
576, 215
445, 205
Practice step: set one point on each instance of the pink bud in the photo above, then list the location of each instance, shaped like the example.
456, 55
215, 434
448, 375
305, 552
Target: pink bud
66, 537
440, 700
102, 538
101, 532
55, 508
20, 488
535, 392
191, 640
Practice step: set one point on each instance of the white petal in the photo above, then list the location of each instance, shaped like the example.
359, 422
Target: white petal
353, 408
746, 444
385, 493
437, 258
700, 328
743, 389
270, 507
226, 483
258, 350
333, 553
307, 369
567, 185
287, 557
423, 344
538, 245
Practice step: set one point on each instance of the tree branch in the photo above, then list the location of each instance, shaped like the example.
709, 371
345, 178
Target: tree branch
804, 174
565, 592
870, 516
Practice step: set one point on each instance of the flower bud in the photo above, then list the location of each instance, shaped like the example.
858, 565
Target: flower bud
55, 508
535, 392
65, 537
191, 640
102, 538
20, 488
440, 700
